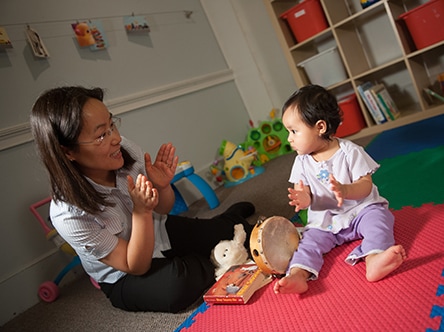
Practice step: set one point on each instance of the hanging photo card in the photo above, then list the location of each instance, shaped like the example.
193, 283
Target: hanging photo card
98, 33
135, 24
83, 34
36, 43
5, 42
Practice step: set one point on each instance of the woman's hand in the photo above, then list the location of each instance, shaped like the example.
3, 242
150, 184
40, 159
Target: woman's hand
299, 196
144, 196
135, 255
162, 171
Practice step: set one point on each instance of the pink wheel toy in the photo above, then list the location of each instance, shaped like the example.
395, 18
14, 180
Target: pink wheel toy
49, 291
95, 283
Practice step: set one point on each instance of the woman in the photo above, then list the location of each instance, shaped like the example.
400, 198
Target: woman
110, 203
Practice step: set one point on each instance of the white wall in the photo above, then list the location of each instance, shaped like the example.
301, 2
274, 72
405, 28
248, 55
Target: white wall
249, 44
195, 109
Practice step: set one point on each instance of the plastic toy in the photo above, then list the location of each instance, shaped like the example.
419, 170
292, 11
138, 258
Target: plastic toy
238, 166
230, 252
49, 290
242, 162
217, 171
269, 140
186, 170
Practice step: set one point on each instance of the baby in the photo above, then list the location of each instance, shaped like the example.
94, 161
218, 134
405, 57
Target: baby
332, 178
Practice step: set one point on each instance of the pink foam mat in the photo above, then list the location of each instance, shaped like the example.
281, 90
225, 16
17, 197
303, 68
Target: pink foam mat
410, 299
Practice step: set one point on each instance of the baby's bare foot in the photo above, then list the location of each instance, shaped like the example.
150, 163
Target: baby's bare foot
380, 265
295, 282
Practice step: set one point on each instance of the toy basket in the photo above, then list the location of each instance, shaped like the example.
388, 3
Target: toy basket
49, 290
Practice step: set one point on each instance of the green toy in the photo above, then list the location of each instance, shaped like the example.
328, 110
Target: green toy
269, 140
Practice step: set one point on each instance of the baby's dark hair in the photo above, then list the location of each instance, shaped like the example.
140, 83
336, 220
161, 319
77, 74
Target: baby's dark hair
314, 103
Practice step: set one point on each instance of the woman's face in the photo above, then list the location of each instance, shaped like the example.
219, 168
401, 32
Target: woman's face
97, 161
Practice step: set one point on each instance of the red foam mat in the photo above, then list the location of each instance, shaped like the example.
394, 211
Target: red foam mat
342, 300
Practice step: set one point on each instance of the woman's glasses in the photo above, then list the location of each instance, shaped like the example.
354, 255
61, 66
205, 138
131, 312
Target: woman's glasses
115, 124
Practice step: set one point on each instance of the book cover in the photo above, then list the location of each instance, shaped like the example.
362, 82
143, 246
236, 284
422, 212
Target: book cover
376, 90
370, 102
385, 97
237, 285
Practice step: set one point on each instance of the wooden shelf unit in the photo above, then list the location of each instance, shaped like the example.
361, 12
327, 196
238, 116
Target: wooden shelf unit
374, 45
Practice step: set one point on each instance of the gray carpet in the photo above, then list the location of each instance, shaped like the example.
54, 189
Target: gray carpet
81, 307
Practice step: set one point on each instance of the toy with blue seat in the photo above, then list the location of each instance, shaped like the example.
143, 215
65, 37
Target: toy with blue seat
186, 170
49, 290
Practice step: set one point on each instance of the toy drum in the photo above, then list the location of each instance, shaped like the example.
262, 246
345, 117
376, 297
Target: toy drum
272, 243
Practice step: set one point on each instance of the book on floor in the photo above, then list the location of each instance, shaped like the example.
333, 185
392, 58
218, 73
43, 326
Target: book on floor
237, 285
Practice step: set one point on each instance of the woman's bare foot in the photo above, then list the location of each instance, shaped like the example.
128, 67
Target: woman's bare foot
380, 265
295, 282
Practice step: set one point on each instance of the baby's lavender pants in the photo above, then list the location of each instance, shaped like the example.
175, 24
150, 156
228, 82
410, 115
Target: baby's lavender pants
374, 225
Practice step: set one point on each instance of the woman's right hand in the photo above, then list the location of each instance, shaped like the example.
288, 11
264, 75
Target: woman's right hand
143, 194
135, 255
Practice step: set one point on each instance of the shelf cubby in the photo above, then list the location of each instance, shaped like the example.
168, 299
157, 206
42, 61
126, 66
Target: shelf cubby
374, 45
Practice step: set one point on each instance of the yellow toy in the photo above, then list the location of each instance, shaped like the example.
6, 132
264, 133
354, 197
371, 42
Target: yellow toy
238, 163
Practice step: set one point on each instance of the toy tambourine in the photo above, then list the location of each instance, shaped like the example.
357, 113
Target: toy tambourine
272, 243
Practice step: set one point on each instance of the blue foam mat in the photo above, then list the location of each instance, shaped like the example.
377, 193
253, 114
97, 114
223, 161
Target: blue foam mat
190, 320
414, 137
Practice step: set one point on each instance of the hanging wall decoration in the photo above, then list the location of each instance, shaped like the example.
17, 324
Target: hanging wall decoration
83, 34
5, 42
38, 48
135, 24
99, 36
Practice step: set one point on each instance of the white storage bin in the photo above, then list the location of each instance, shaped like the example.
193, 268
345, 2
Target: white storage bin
325, 68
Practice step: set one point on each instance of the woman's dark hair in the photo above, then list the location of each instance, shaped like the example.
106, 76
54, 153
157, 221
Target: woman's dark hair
56, 122
315, 103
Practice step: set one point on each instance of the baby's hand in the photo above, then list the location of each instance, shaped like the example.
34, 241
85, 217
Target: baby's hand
338, 189
144, 196
299, 198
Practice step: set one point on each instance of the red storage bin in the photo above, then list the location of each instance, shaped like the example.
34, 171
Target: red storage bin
306, 19
426, 23
353, 121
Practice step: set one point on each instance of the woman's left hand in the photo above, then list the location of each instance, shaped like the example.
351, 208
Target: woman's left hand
162, 171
